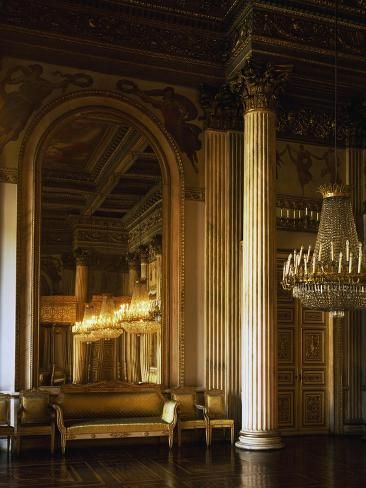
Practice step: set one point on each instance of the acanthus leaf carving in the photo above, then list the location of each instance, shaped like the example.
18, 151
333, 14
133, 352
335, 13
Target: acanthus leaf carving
259, 84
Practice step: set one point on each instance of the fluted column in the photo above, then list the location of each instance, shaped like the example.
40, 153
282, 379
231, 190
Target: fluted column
81, 276
353, 326
81, 294
143, 263
224, 153
259, 85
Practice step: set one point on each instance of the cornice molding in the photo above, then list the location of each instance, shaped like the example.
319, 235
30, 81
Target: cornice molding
8, 175
139, 34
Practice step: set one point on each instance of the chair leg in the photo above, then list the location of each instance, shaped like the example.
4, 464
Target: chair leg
8, 444
52, 439
208, 435
179, 436
171, 439
232, 434
63, 444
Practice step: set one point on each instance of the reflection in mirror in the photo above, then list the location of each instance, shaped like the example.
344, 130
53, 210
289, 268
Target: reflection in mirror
100, 280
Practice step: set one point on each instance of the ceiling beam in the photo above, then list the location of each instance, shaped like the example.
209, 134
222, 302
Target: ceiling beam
117, 164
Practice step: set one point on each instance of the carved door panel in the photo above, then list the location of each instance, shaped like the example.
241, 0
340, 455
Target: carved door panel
302, 367
313, 370
287, 357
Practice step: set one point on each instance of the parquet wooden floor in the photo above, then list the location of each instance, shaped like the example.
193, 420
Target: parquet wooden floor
311, 462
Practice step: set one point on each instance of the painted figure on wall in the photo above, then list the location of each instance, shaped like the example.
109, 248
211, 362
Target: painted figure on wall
331, 166
302, 159
178, 112
23, 90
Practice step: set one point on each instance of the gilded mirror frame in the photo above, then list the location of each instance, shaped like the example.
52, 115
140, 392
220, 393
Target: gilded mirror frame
29, 227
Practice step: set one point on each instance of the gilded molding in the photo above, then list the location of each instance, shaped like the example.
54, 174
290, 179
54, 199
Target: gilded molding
259, 85
309, 30
310, 124
127, 28
196, 194
9, 175
27, 306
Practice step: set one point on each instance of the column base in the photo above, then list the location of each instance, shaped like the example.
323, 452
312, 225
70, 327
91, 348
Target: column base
259, 441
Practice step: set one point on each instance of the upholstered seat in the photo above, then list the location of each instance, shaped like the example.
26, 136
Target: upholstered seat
108, 414
34, 417
190, 415
216, 414
6, 430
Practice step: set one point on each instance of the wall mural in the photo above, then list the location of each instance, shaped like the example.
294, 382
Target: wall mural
312, 165
178, 113
73, 145
22, 91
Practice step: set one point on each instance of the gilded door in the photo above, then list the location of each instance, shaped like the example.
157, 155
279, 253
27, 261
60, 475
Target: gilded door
303, 384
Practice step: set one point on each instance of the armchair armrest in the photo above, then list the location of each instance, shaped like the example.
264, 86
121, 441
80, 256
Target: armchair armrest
19, 415
59, 417
202, 409
169, 414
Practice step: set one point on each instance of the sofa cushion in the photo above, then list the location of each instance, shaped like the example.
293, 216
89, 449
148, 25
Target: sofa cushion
117, 426
98, 405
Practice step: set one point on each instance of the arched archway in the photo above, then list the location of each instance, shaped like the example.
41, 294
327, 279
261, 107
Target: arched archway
29, 205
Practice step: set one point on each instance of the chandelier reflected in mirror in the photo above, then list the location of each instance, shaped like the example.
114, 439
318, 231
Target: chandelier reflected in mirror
332, 277
104, 325
142, 315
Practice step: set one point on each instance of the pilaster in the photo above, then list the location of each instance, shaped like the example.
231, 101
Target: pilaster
224, 151
352, 336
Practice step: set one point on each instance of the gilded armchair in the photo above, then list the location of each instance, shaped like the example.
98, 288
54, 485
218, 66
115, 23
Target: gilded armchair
190, 415
34, 417
216, 414
6, 430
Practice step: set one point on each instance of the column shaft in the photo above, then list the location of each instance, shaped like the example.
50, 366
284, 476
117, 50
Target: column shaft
259, 335
353, 326
223, 236
81, 282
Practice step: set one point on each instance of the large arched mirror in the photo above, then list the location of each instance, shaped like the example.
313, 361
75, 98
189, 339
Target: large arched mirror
101, 252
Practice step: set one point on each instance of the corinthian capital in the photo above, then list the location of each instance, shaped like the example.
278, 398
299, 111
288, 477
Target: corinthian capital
82, 256
260, 84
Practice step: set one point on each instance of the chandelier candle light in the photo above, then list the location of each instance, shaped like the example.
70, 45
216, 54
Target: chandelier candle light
143, 315
332, 277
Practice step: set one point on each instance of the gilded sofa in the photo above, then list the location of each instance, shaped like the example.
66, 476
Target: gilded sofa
114, 414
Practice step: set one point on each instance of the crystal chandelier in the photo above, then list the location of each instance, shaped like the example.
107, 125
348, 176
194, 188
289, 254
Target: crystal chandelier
94, 327
143, 315
333, 277
107, 325
83, 329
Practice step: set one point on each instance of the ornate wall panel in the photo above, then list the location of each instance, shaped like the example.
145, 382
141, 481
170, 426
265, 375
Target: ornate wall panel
303, 378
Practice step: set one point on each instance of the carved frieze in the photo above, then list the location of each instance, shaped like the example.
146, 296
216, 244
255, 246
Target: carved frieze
104, 235
58, 309
315, 34
119, 27
309, 124
147, 228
